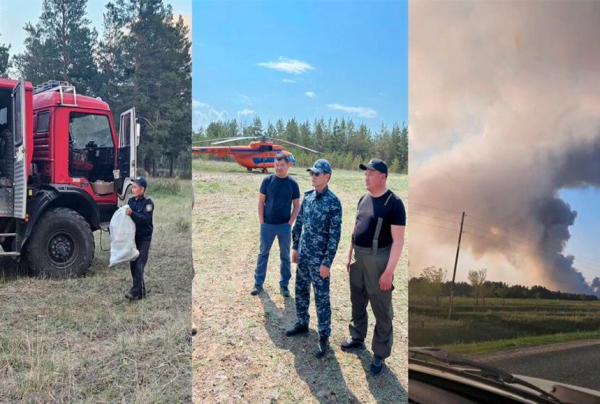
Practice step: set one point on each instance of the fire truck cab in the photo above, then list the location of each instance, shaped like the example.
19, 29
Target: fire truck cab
63, 173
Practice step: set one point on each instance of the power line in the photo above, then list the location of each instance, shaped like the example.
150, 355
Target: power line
532, 246
433, 207
524, 241
500, 227
432, 225
433, 217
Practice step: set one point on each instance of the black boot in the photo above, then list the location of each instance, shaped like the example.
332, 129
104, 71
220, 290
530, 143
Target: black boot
257, 289
352, 343
297, 329
377, 365
132, 297
285, 292
323, 347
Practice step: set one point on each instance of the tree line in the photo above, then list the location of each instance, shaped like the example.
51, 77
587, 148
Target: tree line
343, 143
142, 59
432, 283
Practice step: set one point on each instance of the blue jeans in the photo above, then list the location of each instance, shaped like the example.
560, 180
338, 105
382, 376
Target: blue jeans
268, 232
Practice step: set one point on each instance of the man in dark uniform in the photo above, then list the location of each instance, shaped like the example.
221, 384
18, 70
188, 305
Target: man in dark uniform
140, 209
316, 235
377, 242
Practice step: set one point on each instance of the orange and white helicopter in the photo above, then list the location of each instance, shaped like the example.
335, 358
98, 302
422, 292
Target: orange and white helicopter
259, 154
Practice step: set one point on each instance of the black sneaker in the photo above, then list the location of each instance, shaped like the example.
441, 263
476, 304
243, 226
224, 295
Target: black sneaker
297, 329
377, 365
323, 347
257, 289
352, 343
285, 292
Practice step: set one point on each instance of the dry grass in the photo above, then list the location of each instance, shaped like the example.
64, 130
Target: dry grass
79, 340
240, 352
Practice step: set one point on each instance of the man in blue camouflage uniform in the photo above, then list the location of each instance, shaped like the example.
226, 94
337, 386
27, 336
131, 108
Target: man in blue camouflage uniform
316, 235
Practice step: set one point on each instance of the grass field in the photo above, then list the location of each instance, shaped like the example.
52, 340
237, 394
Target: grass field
240, 352
501, 325
80, 340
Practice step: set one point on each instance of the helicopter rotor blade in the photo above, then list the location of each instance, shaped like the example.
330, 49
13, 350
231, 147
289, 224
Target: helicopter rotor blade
297, 145
233, 139
213, 140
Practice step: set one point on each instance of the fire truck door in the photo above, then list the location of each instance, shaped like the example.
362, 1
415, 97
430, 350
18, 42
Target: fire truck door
128, 141
20, 174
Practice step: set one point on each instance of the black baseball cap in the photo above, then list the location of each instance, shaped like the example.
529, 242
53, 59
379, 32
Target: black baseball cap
375, 164
141, 181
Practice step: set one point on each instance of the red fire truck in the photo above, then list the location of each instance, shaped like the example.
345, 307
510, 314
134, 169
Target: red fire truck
63, 173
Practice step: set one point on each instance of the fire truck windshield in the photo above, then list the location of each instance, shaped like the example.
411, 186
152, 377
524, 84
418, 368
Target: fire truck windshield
86, 129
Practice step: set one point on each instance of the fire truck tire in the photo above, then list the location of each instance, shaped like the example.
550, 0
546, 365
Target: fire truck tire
61, 246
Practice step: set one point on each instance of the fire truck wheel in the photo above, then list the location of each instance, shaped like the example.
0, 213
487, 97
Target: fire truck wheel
61, 246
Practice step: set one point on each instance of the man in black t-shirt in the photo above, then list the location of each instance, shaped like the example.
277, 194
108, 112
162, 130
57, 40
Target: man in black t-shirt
377, 242
278, 193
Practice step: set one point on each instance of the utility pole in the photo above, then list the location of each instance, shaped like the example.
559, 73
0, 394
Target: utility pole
462, 222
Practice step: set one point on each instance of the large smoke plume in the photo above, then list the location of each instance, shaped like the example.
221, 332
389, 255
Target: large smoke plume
504, 113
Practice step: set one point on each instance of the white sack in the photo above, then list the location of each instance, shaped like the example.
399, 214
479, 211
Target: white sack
122, 238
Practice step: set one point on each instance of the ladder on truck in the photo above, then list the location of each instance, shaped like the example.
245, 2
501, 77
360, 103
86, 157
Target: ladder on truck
63, 87
9, 253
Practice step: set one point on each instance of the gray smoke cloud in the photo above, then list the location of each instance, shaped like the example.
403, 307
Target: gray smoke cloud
504, 113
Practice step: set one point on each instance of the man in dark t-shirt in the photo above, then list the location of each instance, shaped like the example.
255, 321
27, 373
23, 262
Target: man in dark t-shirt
377, 242
278, 194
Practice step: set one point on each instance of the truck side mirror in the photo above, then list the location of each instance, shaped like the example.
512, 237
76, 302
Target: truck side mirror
137, 134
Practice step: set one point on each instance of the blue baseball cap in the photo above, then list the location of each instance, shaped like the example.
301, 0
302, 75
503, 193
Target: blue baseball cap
141, 181
285, 156
320, 166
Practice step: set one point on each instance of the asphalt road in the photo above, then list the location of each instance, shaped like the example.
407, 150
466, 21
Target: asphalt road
579, 366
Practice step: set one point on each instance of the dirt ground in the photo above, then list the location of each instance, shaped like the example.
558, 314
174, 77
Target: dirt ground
240, 352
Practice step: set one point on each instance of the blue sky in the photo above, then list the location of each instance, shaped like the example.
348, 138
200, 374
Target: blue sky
585, 236
14, 14
303, 59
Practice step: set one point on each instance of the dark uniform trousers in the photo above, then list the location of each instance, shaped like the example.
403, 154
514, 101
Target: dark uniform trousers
365, 271
137, 267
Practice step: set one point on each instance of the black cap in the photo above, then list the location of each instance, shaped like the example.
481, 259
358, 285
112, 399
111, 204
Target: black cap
375, 164
141, 181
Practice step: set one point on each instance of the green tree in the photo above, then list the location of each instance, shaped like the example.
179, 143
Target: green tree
477, 279
4, 59
434, 278
60, 46
502, 292
395, 166
158, 75
403, 149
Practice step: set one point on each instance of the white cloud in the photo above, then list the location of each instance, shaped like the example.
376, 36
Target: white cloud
203, 114
286, 65
288, 81
310, 94
244, 99
363, 112
246, 112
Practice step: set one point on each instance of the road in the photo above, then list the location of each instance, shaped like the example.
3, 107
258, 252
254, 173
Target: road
576, 363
